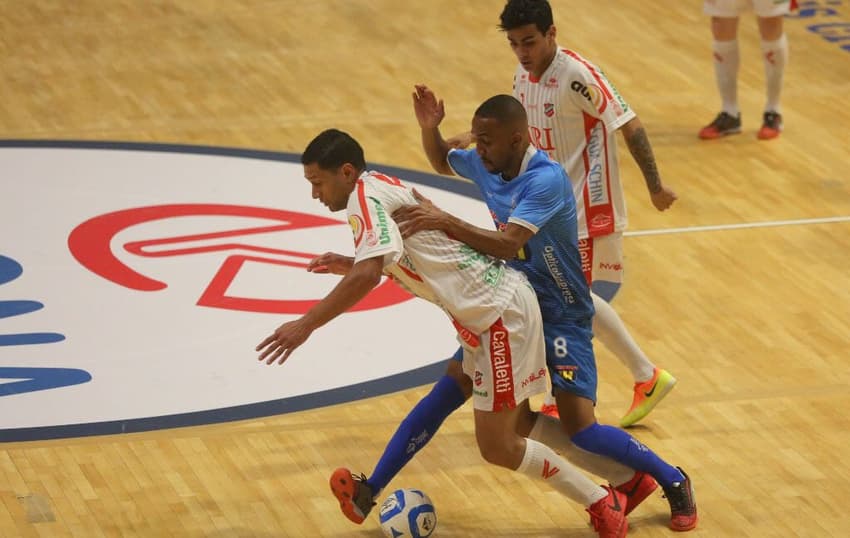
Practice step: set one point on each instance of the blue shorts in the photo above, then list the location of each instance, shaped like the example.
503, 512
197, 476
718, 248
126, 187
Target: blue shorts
569, 356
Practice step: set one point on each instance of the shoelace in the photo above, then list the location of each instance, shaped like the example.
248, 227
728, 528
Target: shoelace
362, 497
771, 118
722, 119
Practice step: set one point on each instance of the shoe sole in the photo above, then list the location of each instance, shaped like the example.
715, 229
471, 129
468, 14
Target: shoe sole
342, 486
690, 527
640, 413
720, 134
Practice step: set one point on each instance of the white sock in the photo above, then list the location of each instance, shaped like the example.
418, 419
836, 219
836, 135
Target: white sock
775, 55
610, 330
549, 400
548, 431
726, 60
541, 462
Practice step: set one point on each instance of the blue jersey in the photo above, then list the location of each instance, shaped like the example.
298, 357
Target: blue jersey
541, 199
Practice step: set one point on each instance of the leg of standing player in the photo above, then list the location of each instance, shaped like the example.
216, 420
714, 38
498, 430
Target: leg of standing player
774, 49
724, 31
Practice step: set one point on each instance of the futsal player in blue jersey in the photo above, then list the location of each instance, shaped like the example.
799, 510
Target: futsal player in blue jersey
530, 199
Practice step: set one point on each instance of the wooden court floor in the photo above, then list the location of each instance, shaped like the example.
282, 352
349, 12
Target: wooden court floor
752, 320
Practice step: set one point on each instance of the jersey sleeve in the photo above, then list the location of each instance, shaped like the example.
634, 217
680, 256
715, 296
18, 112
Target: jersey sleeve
466, 163
591, 91
542, 198
375, 232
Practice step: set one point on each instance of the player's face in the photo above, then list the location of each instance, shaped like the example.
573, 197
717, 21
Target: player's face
495, 143
331, 187
533, 49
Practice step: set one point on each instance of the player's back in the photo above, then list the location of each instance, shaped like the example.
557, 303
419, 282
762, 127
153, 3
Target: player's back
472, 287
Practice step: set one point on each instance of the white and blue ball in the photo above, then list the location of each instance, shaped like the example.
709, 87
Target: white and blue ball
408, 513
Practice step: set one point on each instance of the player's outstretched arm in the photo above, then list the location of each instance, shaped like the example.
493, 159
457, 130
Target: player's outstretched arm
638, 143
429, 113
427, 216
363, 276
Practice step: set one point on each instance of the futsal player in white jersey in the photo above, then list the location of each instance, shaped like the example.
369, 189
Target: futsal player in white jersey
774, 49
574, 114
492, 306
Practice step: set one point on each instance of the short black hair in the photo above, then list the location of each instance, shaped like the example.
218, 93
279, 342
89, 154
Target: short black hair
333, 148
502, 108
521, 12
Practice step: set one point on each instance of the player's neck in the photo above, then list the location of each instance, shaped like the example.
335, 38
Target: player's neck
538, 76
513, 169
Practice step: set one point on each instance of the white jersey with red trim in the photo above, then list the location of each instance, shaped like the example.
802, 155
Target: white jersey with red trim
573, 115
473, 288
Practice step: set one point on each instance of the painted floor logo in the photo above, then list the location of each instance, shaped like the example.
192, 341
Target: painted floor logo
136, 279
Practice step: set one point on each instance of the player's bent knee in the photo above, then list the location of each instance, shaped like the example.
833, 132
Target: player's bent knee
497, 452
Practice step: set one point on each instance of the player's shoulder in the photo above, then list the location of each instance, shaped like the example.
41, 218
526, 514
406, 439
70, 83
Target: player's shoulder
545, 172
573, 64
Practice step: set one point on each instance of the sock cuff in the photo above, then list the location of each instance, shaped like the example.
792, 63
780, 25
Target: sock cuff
780, 43
586, 437
447, 387
532, 448
725, 46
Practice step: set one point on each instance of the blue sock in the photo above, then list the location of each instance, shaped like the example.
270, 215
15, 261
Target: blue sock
417, 428
622, 447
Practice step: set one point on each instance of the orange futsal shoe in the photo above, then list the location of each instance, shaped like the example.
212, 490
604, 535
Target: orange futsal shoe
647, 395
550, 410
353, 493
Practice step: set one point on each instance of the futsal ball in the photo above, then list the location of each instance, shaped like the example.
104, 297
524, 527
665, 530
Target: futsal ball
408, 513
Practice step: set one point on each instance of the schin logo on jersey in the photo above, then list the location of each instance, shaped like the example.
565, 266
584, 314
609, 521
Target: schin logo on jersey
595, 180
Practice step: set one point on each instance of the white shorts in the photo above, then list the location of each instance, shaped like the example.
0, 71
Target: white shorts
733, 8
509, 363
602, 258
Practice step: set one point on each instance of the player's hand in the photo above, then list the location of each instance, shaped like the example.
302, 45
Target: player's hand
664, 198
461, 141
416, 218
331, 262
283, 341
429, 111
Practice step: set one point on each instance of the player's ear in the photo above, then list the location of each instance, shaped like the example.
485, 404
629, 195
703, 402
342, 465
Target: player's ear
516, 139
552, 32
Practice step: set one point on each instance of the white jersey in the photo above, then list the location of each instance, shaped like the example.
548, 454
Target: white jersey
473, 288
573, 115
